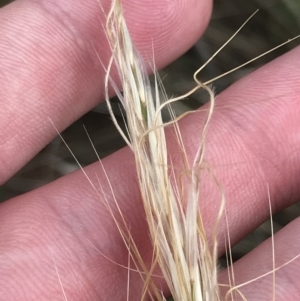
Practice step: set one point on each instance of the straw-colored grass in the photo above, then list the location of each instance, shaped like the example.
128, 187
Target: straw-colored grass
182, 249
175, 223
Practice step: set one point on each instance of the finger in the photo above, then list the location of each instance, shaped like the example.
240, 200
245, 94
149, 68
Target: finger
259, 262
262, 120
68, 240
50, 66
61, 220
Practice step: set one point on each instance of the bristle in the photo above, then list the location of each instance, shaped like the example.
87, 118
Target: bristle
179, 239
181, 247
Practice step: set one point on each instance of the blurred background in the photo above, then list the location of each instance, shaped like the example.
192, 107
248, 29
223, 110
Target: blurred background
276, 21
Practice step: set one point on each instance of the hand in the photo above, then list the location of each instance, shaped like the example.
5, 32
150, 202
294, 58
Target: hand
60, 238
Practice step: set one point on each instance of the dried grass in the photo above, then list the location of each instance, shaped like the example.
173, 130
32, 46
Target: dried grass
182, 249
188, 262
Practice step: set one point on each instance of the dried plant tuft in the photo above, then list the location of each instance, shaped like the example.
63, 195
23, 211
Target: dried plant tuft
188, 262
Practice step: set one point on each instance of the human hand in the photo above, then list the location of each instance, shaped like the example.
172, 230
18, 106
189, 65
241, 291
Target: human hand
57, 236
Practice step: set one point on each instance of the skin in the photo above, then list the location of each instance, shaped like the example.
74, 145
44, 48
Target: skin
57, 236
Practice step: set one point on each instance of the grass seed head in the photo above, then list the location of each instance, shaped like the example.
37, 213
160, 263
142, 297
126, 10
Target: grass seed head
176, 228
